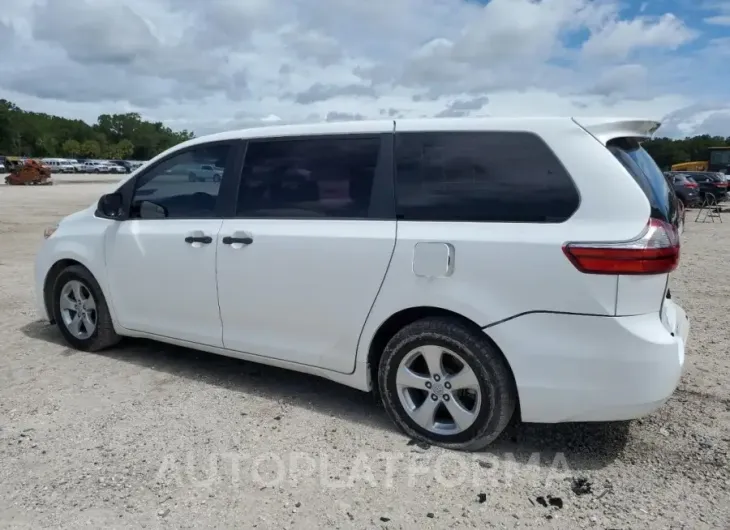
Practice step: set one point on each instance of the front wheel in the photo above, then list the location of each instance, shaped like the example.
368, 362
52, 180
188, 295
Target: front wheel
81, 312
445, 384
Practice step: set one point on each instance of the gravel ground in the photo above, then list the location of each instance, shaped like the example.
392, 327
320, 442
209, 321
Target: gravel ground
152, 436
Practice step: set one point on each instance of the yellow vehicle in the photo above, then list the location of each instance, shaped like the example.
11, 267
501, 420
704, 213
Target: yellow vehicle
690, 166
719, 162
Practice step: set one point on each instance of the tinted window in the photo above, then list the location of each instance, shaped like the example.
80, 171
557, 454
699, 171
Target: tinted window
702, 177
647, 175
720, 157
489, 177
179, 187
308, 178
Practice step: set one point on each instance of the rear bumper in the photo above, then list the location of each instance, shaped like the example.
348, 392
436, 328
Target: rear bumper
591, 368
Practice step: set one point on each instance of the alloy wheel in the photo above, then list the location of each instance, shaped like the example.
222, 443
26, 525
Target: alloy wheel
78, 309
438, 390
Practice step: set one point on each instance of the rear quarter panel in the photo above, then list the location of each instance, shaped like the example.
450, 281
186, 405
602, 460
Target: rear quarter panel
501, 270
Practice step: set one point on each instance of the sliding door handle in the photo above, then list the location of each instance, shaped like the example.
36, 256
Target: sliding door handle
228, 240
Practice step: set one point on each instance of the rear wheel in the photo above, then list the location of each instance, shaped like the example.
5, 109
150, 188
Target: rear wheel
81, 312
446, 384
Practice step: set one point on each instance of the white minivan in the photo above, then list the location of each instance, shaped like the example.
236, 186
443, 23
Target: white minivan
58, 165
464, 270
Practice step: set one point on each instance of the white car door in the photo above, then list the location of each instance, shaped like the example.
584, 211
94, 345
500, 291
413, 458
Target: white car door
162, 261
300, 266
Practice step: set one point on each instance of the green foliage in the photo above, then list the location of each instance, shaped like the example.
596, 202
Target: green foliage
123, 136
71, 148
90, 149
666, 151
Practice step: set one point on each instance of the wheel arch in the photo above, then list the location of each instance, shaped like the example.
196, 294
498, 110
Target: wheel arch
63, 261
50, 279
404, 317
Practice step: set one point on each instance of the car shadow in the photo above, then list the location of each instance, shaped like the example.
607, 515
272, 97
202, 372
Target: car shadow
584, 446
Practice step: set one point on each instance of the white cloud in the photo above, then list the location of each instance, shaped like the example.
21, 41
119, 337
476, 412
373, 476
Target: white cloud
721, 8
217, 64
617, 39
622, 81
719, 20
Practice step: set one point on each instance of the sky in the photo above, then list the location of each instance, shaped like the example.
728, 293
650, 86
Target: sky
212, 65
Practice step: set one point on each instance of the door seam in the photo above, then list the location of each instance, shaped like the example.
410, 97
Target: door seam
217, 288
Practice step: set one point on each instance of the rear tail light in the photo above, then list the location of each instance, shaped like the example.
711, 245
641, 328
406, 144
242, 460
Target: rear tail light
721, 184
655, 251
691, 185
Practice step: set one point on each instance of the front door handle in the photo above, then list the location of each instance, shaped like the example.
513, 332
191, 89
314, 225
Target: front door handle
206, 240
228, 240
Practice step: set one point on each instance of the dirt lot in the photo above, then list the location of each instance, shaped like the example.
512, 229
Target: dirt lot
152, 436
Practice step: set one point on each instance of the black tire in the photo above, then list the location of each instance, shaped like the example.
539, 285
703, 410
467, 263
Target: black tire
104, 335
499, 394
192, 177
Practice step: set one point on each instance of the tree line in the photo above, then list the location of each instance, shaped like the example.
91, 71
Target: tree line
128, 136
667, 151
113, 136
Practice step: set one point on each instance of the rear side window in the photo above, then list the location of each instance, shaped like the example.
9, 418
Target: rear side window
509, 177
309, 178
647, 175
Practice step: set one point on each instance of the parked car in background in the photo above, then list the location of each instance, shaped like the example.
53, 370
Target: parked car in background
123, 163
710, 182
102, 166
78, 166
202, 172
386, 256
113, 167
58, 165
93, 166
687, 190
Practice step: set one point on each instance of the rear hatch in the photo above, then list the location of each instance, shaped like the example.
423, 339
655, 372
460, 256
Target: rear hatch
648, 260
639, 294
721, 183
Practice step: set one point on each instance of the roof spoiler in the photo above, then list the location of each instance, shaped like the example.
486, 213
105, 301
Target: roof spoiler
606, 129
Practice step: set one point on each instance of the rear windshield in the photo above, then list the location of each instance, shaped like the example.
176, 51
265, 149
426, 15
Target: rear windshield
647, 175
705, 176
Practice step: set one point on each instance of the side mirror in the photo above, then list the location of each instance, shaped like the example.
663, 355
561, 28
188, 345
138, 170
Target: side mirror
110, 206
